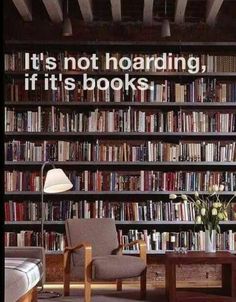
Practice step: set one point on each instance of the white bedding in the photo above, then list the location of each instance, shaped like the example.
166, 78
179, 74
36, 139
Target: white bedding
21, 275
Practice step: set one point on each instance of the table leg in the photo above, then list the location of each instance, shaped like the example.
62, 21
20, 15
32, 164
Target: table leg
171, 282
233, 289
229, 280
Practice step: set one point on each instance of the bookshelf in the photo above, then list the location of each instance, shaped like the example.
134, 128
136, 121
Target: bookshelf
132, 137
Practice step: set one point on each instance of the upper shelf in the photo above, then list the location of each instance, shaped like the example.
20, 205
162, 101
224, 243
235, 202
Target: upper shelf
123, 135
120, 45
122, 73
151, 105
137, 165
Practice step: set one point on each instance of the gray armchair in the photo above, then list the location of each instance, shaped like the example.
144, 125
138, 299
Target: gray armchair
93, 253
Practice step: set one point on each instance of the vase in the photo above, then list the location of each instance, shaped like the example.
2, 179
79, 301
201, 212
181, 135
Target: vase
210, 241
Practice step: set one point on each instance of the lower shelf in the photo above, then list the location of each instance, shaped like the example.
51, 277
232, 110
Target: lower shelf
130, 252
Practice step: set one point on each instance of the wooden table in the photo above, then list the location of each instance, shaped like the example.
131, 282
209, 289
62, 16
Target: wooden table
226, 259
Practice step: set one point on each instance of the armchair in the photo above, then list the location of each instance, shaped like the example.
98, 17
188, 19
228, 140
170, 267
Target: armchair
93, 253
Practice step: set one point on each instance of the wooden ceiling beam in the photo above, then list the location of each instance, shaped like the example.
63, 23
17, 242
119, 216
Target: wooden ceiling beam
212, 10
24, 8
116, 10
148, 12
54, 10
86, 10
180, 8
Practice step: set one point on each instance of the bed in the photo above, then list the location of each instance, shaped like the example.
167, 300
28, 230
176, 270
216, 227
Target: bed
24, 271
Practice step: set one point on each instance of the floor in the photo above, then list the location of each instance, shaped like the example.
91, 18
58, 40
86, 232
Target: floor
130, 293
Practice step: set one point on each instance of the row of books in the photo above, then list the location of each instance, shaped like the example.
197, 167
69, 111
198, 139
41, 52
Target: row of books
200, 90
156, 241
120, 211
149, 62
53, 241
149, 151
127, 181
162, 241
130, 120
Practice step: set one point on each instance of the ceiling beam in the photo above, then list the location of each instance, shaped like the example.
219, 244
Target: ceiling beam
180, 8
212, 10
148, 12
86, 10
24, 7
116, 10
54, 9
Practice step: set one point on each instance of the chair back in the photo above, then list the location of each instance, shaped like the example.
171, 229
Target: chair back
100, 233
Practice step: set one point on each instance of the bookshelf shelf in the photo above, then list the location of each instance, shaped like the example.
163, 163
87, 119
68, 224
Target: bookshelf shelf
126, 252
121, 223
126, 135
131, 73
151, 105
95, 165
173, 45
105, 194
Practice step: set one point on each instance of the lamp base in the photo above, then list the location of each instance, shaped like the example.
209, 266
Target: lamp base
48, 294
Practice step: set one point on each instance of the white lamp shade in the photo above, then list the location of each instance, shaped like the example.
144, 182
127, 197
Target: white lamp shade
56, 181
67, 27
165, 28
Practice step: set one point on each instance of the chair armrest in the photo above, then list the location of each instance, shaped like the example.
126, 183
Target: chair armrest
72, 249
142, 248
69, 250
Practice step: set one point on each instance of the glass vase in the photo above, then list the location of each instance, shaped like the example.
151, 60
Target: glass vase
210, 241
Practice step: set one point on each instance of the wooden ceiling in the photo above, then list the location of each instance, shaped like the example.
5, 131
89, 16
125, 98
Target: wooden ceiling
191, 20
150, 12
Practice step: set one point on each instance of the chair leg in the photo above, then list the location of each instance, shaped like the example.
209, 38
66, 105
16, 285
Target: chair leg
87, 291
119, 284
66, 284
143, 285
66, 274
87, 274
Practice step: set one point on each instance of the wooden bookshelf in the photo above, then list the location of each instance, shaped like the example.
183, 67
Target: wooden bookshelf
122, 196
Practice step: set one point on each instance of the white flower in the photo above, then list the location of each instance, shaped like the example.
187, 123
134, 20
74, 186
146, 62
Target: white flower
203, 211
215, 188
196, 194
198, 219
198, 202
221, 216
184, 197
225, 215
221, 188
219, 204
172, 196
215, 205
214, 212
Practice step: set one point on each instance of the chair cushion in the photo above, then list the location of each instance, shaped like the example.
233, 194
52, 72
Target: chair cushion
117, 267
21, 275
100, 233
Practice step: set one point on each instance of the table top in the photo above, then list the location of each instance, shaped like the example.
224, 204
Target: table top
201, 258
